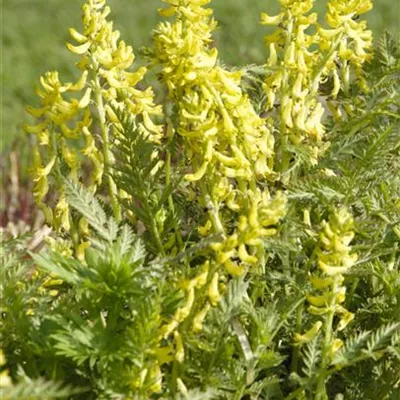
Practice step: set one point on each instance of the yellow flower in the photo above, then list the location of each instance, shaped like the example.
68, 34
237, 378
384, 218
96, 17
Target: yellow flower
334, 260
199, 319
269, 20
155, 376
309, 335
213, 291
335, 346
180, 351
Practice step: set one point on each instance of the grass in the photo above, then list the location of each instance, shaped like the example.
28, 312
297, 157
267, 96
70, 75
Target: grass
35, 31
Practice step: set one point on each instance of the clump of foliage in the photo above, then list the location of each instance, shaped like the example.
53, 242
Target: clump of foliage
238, 241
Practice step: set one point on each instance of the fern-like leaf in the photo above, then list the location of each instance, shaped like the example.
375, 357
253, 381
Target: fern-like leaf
382, 337
89, 206
311, 357
38, 389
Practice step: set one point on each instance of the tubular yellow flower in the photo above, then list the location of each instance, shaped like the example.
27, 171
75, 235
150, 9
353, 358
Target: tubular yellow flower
309, 335
180, 351
154, 375
336, 345
213, 291
199, 319
269, 20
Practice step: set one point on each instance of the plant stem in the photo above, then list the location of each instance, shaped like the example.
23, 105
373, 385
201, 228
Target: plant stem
295, 394
112, 189
284, 318
284, 158
316, 80
296, 349
171, 200
320, 390
174, 377
153, 224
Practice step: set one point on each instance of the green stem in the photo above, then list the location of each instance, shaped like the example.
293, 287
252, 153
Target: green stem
295, 394
112, 188
317, 77
296, 349
284, 155
213, 210
153, 224
353, 288
174, 377
321, 391
285, 316
171, 200
356, 360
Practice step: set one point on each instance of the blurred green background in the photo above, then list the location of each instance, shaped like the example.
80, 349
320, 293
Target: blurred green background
35, 31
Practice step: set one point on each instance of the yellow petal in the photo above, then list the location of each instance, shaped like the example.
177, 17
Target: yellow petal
309, 335
45, 170
149, 124
85, 100
80, 50
198, 320
166, 12
183, 313
36, 112
80, 84
77, 36
213, 292
271, 20
179, 351
134, 77
345, 320
336, 345
35, 128
332, 270
204, 230
245, 256
317, 301
320, 283
198, 174
233, 268
156, 377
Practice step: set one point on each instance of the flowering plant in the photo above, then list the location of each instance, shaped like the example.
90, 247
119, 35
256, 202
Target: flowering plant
232, 241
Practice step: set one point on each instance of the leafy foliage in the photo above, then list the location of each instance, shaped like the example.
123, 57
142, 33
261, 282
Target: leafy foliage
132, 307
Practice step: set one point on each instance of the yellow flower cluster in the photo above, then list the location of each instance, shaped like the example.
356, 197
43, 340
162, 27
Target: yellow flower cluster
299, 62
334, 259
228, 144
72, 129
355, 40
110, 59
291, 80
62, 123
